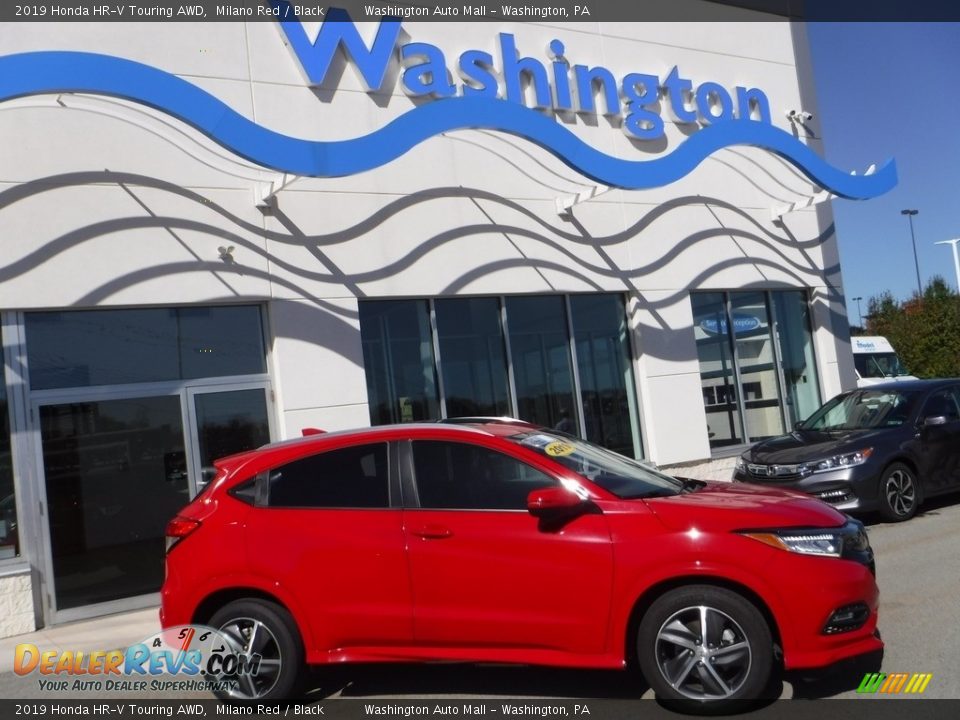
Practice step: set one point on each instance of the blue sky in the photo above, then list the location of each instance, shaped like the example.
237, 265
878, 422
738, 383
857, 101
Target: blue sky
890, 90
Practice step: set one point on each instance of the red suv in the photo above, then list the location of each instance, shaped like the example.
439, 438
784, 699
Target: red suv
502, 542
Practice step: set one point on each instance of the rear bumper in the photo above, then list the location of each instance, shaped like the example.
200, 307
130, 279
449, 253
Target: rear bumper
175, 608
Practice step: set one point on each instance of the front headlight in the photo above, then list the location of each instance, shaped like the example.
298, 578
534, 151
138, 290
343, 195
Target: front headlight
741, 464
828, 543
837, 462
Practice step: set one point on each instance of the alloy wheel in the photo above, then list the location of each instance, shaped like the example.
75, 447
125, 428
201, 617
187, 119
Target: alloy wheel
703, 653
901, 492
249, 637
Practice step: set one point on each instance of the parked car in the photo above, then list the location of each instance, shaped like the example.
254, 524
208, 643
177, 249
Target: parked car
884, 448
505, 542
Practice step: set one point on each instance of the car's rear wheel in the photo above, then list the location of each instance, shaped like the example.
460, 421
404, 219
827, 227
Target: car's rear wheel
261, 628
706, 648
899, 493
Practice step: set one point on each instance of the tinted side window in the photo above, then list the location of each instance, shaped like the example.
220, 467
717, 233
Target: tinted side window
353, 477
467, 477
941, 403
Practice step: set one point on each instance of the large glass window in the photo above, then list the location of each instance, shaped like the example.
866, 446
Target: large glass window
606, 376
539, 342
9, 537
796, 354
398, 361
505, 356
353, 477
474, 366
715, 352
81, 348
759, 377
757, 367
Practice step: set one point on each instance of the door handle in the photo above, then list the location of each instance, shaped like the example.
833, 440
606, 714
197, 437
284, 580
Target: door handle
433, 532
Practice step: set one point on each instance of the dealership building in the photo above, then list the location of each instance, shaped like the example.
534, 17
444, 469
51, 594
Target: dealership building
217, 235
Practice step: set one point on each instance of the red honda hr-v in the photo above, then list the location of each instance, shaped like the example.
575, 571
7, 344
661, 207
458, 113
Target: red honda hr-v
495, 541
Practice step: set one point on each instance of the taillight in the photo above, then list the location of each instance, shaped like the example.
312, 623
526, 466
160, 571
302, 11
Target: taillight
179, 528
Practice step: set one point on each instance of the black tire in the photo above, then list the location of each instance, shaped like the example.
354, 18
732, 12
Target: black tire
727, 672
899, 492
281, 641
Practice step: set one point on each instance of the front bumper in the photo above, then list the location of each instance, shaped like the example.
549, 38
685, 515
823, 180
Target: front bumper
854, 489
840, 583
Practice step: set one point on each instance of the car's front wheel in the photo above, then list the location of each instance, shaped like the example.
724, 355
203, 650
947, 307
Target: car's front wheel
266, 635
705, 647
899, 496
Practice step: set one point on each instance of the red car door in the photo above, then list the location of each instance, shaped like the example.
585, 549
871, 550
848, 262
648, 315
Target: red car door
330, 537
488, 574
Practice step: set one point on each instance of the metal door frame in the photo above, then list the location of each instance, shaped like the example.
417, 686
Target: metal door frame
185, 391
190, 394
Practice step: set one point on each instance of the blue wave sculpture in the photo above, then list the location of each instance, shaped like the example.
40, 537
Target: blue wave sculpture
65, 72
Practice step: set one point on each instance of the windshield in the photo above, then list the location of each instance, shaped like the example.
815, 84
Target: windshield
864, 409
615, 473
878, 365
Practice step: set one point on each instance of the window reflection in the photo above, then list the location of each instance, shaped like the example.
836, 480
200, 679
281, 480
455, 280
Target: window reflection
715, 352
490, 348
759, 378
398, 361
473, 362
606, 378
541, 361
115, 474
81, 348
766, 339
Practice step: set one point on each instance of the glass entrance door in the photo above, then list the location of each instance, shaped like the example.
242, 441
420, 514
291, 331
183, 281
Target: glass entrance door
227, 422
116, 469
115, 472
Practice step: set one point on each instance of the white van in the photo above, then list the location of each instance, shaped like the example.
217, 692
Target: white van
876, 361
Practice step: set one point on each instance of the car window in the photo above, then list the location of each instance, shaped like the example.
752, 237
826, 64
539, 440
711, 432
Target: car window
942, 403
863, 409
615, 473
453, 475
352, 477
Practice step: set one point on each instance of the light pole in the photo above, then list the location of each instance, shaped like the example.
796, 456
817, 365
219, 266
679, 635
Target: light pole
859, 313
956, 257
910, 214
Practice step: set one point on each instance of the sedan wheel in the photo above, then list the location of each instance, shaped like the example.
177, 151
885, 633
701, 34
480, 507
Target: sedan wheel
705, 647
898, 493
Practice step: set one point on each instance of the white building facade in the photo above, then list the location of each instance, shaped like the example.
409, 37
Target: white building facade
168, 297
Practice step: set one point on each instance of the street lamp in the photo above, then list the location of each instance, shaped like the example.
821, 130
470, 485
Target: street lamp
859, 313
956, 258
910, 214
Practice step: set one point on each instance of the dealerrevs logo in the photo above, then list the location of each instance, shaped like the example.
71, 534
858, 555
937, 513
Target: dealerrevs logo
185, 657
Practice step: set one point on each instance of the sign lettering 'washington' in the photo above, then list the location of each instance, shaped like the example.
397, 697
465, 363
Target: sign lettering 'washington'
552, 84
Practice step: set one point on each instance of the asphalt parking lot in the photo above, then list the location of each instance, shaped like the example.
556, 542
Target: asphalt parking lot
919, 576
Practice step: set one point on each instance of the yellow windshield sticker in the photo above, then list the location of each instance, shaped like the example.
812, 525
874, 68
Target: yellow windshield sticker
559, 449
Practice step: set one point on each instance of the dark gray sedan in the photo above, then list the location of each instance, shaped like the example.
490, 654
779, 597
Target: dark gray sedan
885, 448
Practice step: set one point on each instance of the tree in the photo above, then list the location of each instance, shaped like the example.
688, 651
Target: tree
925, 330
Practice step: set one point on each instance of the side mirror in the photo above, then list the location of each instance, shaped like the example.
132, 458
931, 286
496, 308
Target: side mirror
935, 420
799, 424
553, 501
